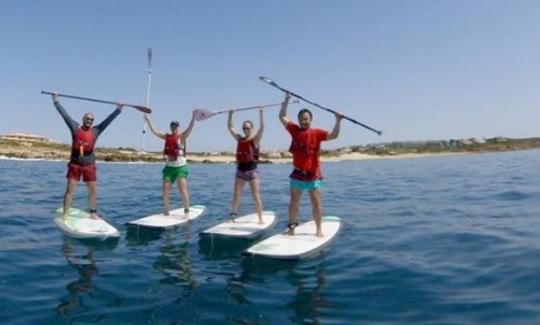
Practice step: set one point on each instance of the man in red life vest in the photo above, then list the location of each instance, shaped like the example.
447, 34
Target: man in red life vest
176, 169
247, 157
82, 163
305, 148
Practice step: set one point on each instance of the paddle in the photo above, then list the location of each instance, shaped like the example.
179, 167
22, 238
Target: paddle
143, 109
148, 83
203, 114
273, 84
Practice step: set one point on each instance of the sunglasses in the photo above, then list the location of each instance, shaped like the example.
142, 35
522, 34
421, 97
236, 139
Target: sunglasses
246, 128
88, 119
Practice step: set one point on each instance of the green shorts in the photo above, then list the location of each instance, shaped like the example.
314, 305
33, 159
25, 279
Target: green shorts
171, 174
306, 185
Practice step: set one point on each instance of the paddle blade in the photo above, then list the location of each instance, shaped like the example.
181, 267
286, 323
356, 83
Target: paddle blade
267, 80
202, 114
143, 109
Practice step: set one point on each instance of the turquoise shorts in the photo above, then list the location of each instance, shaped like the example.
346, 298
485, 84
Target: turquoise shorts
306, 185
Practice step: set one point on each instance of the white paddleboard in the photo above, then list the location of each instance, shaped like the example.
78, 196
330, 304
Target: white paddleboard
247, 226
79, 224
302, 244
175, 218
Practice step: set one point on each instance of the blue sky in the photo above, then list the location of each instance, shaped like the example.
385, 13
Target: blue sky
417, 70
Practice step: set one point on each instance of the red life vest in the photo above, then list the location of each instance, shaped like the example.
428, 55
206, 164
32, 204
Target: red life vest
306, 148
83, 142
172, 147
246, 151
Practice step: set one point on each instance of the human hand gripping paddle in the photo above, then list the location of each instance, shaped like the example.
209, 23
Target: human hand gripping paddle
141, 108
273, 84
203, 114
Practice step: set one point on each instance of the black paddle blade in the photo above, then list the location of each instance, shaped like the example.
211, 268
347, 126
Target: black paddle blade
267, 80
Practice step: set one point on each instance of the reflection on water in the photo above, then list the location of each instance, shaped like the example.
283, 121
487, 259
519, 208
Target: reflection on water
174, 263
301, 290
86, 268
142, 236
222, 248
80, 255
309, 298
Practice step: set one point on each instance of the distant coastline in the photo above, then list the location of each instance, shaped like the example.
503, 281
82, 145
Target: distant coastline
25, 146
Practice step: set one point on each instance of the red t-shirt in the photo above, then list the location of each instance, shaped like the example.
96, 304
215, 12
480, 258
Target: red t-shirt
305, 148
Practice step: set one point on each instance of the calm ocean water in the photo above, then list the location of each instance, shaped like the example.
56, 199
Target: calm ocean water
442, 240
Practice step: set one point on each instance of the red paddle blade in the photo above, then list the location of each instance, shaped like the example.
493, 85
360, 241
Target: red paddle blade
143, 109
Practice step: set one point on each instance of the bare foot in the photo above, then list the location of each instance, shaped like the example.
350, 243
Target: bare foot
319, 234
166, 214
94, 216
261, 222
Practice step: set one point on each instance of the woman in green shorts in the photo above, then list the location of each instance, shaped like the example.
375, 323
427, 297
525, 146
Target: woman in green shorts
176, 169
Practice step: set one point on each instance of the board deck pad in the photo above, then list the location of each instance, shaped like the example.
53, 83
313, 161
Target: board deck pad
302, 244
175, 218
79, 224
246, 226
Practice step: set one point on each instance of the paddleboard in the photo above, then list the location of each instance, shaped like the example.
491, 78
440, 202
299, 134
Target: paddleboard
247, 226
79, 224
302, 244
175, 218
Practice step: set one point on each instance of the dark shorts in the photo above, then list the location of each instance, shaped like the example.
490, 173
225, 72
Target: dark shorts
247, 175
76, 171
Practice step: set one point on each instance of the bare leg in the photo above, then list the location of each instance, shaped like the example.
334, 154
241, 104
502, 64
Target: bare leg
166, 194
68, 195
182, 186
296, 194
92, 202
255, 192
238, 188
316, 206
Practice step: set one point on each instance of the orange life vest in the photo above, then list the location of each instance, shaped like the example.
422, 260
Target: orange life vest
306, 149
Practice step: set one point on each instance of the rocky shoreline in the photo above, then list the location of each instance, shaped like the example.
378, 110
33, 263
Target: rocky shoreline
49, 150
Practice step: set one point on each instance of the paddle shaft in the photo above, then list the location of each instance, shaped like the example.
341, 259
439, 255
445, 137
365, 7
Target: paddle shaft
251, 107
138, 107
275, 85
148, 83
203, 114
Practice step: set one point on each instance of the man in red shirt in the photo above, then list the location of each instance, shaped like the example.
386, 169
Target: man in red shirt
305, 148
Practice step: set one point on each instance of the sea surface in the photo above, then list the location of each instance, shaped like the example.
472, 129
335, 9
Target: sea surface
440, 240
